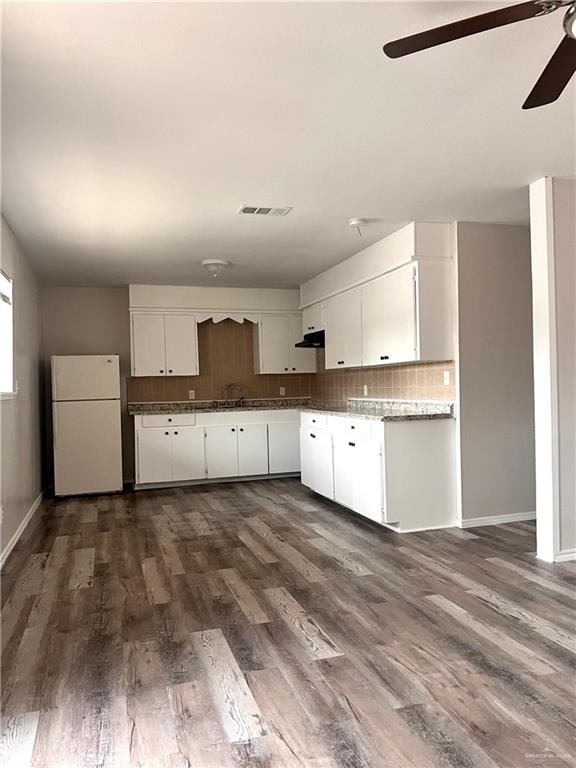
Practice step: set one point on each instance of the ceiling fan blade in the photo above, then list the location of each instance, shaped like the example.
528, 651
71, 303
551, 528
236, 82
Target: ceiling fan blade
458, 29
555, 76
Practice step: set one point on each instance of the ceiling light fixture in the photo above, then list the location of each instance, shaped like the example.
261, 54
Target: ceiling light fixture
357, 223
570, 22
214, 266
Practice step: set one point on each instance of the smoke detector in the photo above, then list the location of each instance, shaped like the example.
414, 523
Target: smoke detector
264, 210
214, 266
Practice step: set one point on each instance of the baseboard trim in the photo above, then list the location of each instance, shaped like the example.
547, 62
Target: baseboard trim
397, 529
565, 556
21, 528
212, 481
515, 517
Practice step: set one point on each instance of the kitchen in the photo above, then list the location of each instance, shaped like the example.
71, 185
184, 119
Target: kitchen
286, 388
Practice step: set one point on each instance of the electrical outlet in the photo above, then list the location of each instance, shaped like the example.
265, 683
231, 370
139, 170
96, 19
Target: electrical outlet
365, 390
191, 394
446, 377
282, 391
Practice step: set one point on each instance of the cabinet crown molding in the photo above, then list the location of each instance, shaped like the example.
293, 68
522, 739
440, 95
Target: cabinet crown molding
422, 241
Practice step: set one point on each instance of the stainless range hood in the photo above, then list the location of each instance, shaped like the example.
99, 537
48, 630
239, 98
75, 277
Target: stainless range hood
312, 341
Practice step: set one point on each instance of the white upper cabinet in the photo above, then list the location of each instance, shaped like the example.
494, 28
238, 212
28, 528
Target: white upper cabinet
406, 315
389, 318
313, 318
300, 360
271, 345
148, 346
181, 345
343, 325
274, 350
164, 344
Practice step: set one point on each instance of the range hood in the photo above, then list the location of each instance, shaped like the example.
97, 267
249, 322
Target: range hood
312, 341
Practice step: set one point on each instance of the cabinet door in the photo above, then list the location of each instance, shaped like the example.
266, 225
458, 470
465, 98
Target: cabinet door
342, 319
301, 360
273, 345
368, 480
389, 318
188, 461
283, 447
148, 345
313, 318
323, 466
154, 455
222, 451
253, 449
345, 453
307, 441
181, 345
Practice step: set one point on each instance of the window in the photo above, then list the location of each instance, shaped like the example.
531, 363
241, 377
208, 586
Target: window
6, 335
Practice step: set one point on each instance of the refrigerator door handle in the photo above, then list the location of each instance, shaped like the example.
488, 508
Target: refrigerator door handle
55, 425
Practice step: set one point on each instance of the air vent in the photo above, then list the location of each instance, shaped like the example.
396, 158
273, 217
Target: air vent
263, 210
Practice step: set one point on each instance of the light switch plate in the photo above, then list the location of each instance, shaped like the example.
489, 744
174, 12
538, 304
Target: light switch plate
365, 390
446, 377
191, 394
282, 391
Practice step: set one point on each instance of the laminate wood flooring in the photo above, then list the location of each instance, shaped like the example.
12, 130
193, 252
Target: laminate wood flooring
256, 624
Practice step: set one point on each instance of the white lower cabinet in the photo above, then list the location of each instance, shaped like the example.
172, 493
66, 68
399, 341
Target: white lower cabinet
188, 447
316, 460
400, 473
188, 461
166, 455
358, 475
283, 447
221, 451
253, 449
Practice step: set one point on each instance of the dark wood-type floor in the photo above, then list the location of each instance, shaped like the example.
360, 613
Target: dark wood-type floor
255, 624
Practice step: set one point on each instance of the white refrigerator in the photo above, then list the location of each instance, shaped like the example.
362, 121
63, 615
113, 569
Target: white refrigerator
86, 424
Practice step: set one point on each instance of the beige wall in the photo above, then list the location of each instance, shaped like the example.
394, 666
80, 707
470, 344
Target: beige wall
494, 364
20, 423
87, 321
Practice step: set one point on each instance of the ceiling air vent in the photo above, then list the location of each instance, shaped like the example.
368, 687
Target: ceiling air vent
263, 210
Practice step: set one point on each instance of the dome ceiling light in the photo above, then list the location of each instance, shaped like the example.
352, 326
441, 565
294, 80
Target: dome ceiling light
214, 266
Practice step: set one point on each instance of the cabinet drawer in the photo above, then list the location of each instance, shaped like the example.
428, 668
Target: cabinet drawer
341, 425
169, 420
314, 419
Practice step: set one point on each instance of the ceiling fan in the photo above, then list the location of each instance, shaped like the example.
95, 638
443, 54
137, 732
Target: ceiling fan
557, 72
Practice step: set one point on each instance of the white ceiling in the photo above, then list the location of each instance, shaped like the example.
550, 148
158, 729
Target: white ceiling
132, 132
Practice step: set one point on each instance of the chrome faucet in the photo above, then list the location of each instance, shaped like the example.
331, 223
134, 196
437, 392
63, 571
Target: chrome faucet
230, 386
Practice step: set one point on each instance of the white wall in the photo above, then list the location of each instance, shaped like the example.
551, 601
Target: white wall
494, 365
553, 227
20, 422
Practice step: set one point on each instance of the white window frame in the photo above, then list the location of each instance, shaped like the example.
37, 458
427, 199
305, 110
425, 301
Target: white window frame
7, 385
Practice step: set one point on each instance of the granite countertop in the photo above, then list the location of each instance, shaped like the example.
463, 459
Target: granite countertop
391, 416
358, 408
387, 410
203, 406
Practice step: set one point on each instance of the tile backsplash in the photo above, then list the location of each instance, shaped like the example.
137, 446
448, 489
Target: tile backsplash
417, 381
227, 355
